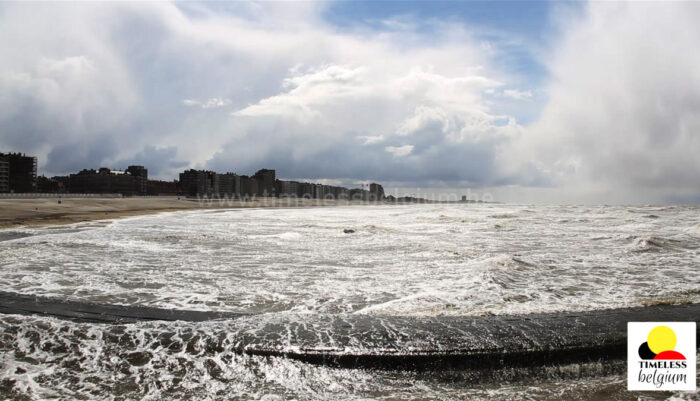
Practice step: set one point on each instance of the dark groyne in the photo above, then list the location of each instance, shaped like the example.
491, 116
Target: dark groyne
88, 312
456, 342
384, 342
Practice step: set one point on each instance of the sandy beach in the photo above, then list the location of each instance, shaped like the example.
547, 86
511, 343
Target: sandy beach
39, 212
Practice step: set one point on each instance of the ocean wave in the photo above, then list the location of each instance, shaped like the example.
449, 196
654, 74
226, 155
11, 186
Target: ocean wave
503, 216
487, 265
421, 304
654, 244
287, 236
9, 235
374, 228
254, 356
290, 235
44, 358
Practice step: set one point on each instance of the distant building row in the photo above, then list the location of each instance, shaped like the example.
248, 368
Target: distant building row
18, 173
130, 182
264, 184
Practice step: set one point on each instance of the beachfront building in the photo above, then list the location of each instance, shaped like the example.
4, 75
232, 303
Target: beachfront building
196, 182
17, 173
4, 174
46, 185
305, 190
140, 174
63, 182
266, 182
359, 194
376, 191
318, 191
163, 188
249, 187
106, 181
287, 189
227, 185
339, 192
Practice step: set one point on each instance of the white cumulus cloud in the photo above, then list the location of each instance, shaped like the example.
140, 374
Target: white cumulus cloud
517, 94
210, 103
399, 151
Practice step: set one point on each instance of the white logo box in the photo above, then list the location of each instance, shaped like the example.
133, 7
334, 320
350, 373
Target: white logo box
659, 375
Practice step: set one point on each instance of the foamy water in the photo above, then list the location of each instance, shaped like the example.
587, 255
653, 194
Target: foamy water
421, 260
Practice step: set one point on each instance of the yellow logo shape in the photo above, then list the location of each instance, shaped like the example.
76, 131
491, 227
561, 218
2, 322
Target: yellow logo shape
660, 339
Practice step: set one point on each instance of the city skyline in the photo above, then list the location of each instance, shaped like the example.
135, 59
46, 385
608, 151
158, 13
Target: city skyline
19, 176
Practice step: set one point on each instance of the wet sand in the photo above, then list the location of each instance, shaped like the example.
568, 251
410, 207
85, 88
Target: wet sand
41, 212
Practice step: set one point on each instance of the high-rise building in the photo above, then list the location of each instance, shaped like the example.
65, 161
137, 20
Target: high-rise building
159, 188
287, 189
140, 175
228, 184
137, 171
359, 194
266, 182
197, 182
46, 185
106, 181
376, 191
20, 173
4, 174
249, 187
306, 190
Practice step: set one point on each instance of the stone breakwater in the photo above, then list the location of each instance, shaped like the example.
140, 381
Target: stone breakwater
387, 342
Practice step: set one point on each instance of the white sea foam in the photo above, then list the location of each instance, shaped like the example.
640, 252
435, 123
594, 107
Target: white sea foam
418, 259
400, 260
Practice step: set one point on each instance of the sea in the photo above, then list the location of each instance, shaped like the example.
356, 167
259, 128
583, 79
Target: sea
460, 259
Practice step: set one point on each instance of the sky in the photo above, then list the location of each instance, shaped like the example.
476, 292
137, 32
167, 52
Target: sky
523, 101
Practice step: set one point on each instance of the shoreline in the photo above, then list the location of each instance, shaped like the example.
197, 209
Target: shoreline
16, 213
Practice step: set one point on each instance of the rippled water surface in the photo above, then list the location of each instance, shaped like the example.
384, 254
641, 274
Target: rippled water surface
399, 260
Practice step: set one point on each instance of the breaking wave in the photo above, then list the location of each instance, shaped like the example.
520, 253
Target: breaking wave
415, 260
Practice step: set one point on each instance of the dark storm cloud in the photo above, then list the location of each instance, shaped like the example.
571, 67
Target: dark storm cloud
347, 157
158, 160
84, 154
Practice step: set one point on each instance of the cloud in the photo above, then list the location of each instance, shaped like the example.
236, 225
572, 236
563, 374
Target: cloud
365, 119
296, 93
308, 92
399, 151
157, 160
371, 140
210, 103
623, 116
517, 95
407, 101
